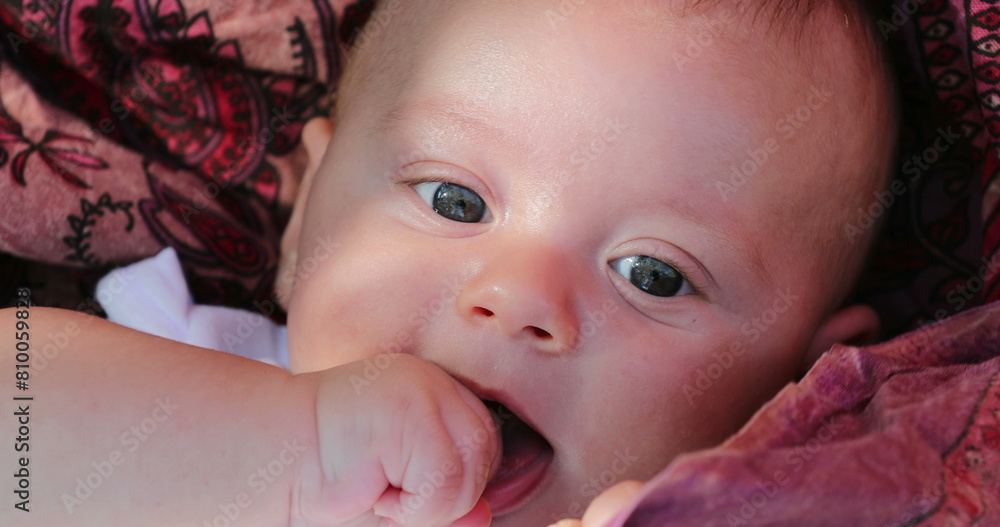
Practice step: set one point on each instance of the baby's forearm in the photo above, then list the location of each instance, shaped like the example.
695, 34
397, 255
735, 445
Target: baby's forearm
124, 428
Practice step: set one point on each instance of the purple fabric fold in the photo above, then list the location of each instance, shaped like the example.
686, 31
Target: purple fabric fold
903, 433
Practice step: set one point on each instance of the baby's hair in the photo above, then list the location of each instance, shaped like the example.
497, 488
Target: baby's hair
797, 17
783, 14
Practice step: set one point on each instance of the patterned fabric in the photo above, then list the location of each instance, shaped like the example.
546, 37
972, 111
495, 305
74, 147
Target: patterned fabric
126, 127
939, 251
985, 49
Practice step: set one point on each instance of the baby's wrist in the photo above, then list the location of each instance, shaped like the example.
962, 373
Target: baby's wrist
307, 482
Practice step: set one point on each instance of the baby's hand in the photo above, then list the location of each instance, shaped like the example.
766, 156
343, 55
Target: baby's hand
605, 506
389, 449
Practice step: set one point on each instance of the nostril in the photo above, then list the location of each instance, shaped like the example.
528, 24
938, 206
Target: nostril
541, 333
482, 311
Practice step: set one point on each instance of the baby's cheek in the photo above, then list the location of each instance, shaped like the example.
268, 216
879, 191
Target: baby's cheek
319, 337
709, 392
355, 312
733, 383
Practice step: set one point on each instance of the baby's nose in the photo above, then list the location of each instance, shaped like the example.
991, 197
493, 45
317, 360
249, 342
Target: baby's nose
526, 295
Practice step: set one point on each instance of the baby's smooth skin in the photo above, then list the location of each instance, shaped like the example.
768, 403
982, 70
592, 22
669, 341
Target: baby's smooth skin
582, 143
598, 269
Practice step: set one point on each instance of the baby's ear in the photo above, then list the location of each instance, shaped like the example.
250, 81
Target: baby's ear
316, 135
856, 325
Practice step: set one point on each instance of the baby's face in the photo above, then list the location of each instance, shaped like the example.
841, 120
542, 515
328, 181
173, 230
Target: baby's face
535, 206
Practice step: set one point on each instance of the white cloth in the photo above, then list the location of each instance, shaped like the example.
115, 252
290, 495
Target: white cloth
152, 296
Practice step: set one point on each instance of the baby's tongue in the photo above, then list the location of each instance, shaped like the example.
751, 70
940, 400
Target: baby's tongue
521, 447
525, 457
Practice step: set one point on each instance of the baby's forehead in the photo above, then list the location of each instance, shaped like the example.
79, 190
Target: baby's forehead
667, 41
778, 28
773, 87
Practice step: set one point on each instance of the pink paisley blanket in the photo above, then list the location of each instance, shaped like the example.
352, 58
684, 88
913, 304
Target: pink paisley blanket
131, 125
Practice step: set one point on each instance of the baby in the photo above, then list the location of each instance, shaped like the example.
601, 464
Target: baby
600, 234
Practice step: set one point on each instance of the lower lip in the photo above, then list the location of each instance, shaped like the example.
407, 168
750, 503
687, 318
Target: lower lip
508, 495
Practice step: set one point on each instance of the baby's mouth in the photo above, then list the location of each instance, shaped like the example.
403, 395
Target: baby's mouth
526, 457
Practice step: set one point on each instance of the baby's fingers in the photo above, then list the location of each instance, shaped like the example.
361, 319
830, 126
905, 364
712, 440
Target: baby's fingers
432, 493
610, 502
605, 507
447, 459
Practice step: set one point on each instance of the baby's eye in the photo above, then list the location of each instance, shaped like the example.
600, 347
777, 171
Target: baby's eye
455, 202
652, 276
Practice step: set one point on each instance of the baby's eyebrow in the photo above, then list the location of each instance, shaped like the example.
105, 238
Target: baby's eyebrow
749, 255
461, 116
